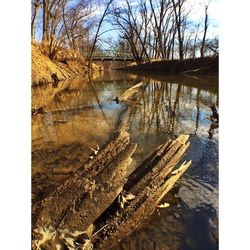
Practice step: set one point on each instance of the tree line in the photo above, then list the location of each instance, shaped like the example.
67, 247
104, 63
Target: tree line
149, 29
63, 23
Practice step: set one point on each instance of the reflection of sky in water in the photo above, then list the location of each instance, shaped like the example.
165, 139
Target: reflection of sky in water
197, 209
83, 114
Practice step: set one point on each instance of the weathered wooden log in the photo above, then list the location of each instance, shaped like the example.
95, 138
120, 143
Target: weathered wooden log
149, 184
73, 206
67, 215
130, 92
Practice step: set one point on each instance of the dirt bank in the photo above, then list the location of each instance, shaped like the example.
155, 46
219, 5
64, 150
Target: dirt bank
66, 63
196, 66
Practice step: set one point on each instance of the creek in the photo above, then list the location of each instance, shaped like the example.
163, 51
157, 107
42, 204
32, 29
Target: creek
79, 114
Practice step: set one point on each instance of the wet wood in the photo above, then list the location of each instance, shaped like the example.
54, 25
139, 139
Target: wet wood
130, 92
215, 114
149, 183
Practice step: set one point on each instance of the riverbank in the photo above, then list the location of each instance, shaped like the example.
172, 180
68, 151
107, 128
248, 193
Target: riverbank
196, 66
66, 64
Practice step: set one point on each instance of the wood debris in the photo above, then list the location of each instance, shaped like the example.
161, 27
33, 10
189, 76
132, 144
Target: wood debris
130, 92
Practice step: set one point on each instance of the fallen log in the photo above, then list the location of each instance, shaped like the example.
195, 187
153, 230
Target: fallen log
195, 70
98, 205
71, 208
128, 94
150, 182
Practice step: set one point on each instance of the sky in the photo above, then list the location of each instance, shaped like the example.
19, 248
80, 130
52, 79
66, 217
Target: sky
197, 13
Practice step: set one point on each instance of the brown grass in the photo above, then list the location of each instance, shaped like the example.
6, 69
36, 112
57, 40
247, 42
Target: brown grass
66, 63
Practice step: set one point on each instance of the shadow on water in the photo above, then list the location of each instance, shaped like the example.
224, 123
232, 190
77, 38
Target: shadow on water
179, 227
201, 228
79, 114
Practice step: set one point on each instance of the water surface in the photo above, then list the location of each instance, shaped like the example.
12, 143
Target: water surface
81, 113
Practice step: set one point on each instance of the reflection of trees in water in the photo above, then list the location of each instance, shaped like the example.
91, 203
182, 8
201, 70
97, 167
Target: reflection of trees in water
157, 110
164, 106
198, 111
160, 108
98, 101
73, 103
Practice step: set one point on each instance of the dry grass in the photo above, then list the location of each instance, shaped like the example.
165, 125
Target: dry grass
66, 63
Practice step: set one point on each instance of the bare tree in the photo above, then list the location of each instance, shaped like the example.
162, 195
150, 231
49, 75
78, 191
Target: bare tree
105, 13
158, 29
64, 23
195, 41
179, 21
205, 31
45, 21
36, 4
121, 21
51, 11
213, 46
161, 22
74, 19
133, 30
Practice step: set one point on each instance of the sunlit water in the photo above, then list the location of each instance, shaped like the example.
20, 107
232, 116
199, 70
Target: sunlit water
80, 114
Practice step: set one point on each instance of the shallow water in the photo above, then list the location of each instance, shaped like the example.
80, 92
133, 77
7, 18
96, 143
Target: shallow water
80, 114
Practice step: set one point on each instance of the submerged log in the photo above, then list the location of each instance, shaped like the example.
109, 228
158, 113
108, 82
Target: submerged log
129, 93
215, 114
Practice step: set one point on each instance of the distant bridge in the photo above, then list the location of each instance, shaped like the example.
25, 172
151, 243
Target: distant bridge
112, 55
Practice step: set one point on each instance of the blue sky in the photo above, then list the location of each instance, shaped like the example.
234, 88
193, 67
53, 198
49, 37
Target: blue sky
196, 15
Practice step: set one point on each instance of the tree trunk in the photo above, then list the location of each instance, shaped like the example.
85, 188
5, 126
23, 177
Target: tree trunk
45, 22
205, 32
89, 196
148, 184
33, 22
80, 200
97, 32
178, 26
130, 92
